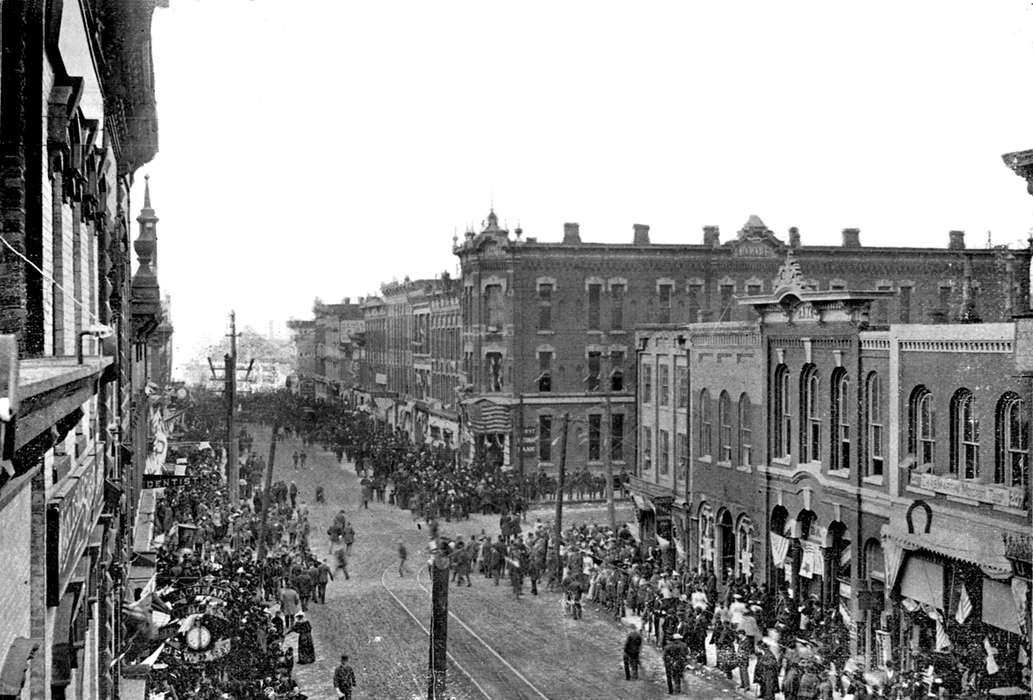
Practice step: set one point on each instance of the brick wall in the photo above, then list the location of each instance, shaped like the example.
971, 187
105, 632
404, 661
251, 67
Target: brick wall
15, 525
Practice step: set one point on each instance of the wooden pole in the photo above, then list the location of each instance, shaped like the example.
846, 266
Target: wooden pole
438, 661
264, 522
610, 510
559, 497
232, 458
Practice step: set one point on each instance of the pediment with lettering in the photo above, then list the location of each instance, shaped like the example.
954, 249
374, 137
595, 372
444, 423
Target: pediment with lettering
756, 240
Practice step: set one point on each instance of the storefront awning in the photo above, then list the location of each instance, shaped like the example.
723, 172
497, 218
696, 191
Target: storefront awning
641, 502
16, 662
976, 544
999, 606
923, 581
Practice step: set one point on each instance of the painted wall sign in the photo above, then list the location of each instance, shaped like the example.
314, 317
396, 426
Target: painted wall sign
71, 516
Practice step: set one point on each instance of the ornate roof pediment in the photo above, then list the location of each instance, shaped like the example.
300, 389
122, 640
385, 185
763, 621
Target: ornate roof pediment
756, 240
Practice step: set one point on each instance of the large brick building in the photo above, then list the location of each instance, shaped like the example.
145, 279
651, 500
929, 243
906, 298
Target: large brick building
77, 120
411, 350
548, 328
326, 365
813, 443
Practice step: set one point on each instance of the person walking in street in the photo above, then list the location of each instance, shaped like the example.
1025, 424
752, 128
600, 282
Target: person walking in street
342, 562
632, 649
303, 585
676, 654
403, 554
292, 491
306, 647
349, 538
323, 576
290, 603
296, 458
344, 679
304, 458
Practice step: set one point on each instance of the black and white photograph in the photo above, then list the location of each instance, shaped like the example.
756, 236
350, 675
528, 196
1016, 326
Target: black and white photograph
542, 350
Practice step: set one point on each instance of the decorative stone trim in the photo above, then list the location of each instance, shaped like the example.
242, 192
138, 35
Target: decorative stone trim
986, 346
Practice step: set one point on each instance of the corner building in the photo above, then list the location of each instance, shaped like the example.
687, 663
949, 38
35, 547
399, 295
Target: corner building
549, 329
878, 471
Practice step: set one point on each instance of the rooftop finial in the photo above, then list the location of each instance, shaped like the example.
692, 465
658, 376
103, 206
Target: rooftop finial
146, 191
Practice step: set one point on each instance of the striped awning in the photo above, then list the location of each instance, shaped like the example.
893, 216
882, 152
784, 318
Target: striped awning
489, 417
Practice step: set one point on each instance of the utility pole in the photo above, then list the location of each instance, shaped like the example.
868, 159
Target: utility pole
264, 522
438, 649
559, 495
232, 458
610, 510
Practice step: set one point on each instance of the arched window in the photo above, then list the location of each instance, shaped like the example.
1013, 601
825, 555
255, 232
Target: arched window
810, 433
873, 417
783, 413
964, 461
706, 421
745, 431
1012, 465
922, 424
840, 458
724, 420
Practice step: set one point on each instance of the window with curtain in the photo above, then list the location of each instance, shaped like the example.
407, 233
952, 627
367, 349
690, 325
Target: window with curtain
745, 431
544, 307
664, 450
647, 448
617, 307
724, 420
964, 435
1012, 466
665, 293
873, 416
922, 424
810, 434
783, 427
647, 382
705, 424
840, 404
594, 293
664, 380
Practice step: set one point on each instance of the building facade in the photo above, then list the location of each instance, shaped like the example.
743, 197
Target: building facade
410, 348
879, 472
77, 120
549, 328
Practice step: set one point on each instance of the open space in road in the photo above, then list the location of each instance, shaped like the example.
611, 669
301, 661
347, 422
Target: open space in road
511, 648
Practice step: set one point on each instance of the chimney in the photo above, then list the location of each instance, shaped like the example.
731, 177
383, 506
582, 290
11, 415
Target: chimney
571, 233
711, 236
641, 234
794, 237
957, 240
347, 300
851, 238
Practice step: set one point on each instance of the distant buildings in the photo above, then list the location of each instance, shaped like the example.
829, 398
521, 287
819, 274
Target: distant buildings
326, 349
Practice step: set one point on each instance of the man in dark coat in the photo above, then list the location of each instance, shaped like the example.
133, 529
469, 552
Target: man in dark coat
303, 585
675, 656
344, 679
632, 649
323, 576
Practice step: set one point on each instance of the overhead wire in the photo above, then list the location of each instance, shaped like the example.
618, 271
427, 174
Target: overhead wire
88, 312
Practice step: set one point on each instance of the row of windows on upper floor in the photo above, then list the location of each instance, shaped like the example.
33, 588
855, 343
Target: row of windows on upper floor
965, 445
593, 380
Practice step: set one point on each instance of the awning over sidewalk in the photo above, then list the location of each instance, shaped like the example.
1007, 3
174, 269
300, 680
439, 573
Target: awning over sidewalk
923, 581
641, 502
999, 607
970, 542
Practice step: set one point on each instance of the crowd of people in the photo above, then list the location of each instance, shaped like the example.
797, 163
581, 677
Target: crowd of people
216, 621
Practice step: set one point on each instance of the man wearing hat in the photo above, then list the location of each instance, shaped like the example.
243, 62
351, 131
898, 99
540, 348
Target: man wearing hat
344, 679
676, 655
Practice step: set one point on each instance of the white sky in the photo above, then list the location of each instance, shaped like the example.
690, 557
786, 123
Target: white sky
318, 148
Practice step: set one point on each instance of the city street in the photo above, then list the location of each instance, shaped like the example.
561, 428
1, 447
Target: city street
499, 647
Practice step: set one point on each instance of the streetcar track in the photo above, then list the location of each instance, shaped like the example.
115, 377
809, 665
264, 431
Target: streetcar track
427, 632
487, 646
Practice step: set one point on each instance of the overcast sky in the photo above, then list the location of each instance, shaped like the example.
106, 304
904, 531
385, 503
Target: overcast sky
319, 148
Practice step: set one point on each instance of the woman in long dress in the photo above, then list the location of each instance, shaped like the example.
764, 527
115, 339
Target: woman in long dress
306, 648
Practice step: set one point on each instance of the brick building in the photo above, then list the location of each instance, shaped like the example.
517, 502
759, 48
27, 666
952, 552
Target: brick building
411, 352
326, 366
548, 328
77, 120
816, 441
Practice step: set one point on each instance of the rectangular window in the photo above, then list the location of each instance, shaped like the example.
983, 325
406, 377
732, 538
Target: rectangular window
665, 293
595, 431
647, 383
882, 308
695, 296
544, 438
545, 307
905, 304
617, 437
594, 291
617, 370
594, 369
705, 425
493, 370
944, 298
754, 290
664, 449
681, 465
617, 307
727, 292
683, 387
664, 380
647, 449
494, 303
544, 370
875, 427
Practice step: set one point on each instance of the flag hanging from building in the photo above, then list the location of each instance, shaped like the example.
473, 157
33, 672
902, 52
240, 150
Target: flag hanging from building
488, 417
991, 657
779, 548
964, 606
943, 642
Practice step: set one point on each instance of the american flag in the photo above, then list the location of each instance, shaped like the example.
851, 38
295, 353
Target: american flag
488, 417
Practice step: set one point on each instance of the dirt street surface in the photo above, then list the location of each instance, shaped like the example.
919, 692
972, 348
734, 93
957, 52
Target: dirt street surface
500, 647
